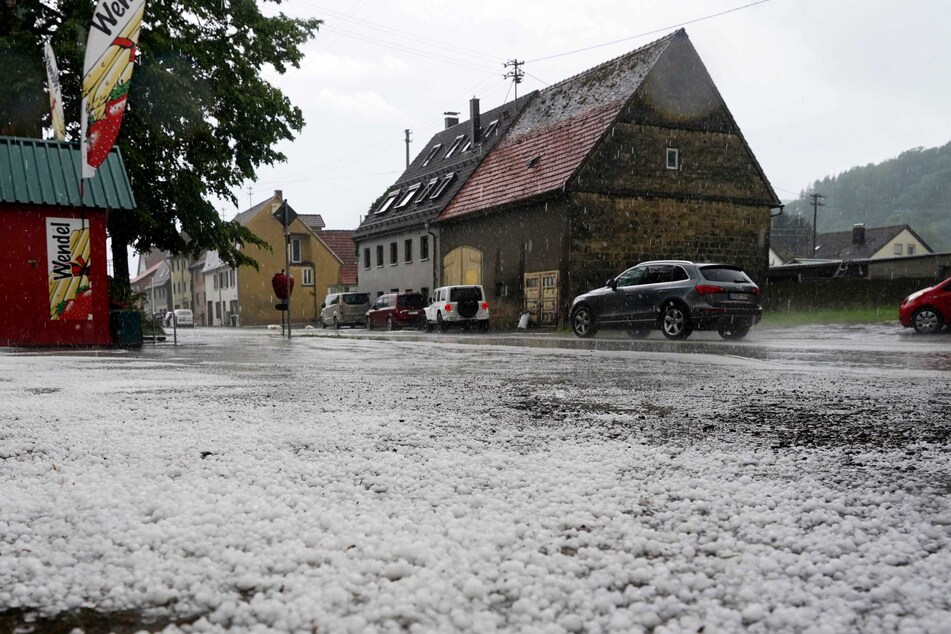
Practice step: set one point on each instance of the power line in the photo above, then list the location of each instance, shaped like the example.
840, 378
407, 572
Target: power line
646, 33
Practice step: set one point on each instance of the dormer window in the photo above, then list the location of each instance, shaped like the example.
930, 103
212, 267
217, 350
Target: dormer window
427, 190
673, 158
432, 153
408, 196
388, 201
443, 184
490, 129
456, 143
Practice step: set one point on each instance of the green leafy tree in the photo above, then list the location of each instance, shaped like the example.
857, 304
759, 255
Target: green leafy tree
200, 118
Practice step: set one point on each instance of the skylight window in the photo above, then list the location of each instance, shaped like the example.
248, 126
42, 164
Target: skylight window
467, 146
388, 201
443, 184
432, 153
490, 129
455, 145
408, 196
427, 189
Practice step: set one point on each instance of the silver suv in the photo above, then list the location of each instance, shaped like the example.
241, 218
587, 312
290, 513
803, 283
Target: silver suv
674, 296
345, 309
463, 306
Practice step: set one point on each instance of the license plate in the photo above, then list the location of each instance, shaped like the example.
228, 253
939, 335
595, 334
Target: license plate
412, 313
741, 296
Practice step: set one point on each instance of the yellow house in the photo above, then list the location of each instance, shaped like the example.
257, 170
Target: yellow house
314, 266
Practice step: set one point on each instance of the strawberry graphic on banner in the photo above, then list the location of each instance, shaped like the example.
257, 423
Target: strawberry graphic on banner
107, 73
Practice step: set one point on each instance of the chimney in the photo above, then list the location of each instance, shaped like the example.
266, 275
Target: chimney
279, 194
858, 234
452, 118
475, 124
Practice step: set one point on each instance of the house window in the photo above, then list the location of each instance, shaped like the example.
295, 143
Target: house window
467, 146
910, 250
673, 158
379, 255
408, 250
442, 185
898, 249
388, 201
423, 248
231, 275
490, 129
432, 153
456, 143
394, 253
427, 189
408, 196
366, 258
214, 282
424, 291
308, 277
295, 250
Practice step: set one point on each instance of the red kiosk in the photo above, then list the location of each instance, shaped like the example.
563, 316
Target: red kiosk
54, 288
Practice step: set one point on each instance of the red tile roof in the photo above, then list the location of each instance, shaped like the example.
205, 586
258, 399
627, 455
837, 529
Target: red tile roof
555, 133
341, 243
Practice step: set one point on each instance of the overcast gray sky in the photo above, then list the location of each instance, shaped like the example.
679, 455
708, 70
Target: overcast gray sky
816, 86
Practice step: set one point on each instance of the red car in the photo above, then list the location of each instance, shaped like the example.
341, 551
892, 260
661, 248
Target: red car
397, 310
928, 310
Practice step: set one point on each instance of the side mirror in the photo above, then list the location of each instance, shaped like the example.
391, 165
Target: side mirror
612, 284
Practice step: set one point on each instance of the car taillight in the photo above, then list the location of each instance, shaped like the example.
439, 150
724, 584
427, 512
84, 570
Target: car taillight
707, 289
485, 305
756, 291
448, 308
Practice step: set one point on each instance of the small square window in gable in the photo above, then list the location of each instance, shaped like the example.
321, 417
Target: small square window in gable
673, 158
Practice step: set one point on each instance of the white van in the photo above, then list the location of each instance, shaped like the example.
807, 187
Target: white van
182, 316
345, 309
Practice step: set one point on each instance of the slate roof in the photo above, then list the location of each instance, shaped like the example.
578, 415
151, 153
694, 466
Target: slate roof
245, 216
556, 132
838, 245
461, 164
340, 242
37, 172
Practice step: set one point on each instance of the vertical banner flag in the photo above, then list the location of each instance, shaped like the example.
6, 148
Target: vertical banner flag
56, 96
67, 255
107, 73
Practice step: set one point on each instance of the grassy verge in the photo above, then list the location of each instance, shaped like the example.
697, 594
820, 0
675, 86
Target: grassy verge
830, 316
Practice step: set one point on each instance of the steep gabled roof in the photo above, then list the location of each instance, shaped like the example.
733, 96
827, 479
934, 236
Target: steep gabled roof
432, 163
245, 216
340, 242
839, 245
556, 132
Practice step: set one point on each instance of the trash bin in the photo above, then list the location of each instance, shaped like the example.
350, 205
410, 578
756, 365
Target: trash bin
125, 326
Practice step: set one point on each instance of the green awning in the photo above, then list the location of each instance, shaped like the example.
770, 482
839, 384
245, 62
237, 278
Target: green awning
38, 172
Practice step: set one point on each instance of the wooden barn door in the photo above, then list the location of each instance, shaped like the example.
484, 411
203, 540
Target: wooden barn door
462, 265
542, 295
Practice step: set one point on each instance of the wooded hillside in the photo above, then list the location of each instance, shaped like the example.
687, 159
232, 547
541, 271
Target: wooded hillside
913, 188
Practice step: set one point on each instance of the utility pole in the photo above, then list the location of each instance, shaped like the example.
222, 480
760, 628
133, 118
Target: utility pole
516, 73
815, 216
407, 132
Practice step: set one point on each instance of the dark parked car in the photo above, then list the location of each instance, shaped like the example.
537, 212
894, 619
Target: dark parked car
674, 296
928, 310
397, 310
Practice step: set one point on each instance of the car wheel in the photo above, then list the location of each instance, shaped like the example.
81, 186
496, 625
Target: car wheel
674, 322
429, 326
389, 324
733, 332
323, 324
582, 322
369, 324
638, 333
443, 326
927, 321
336, 323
